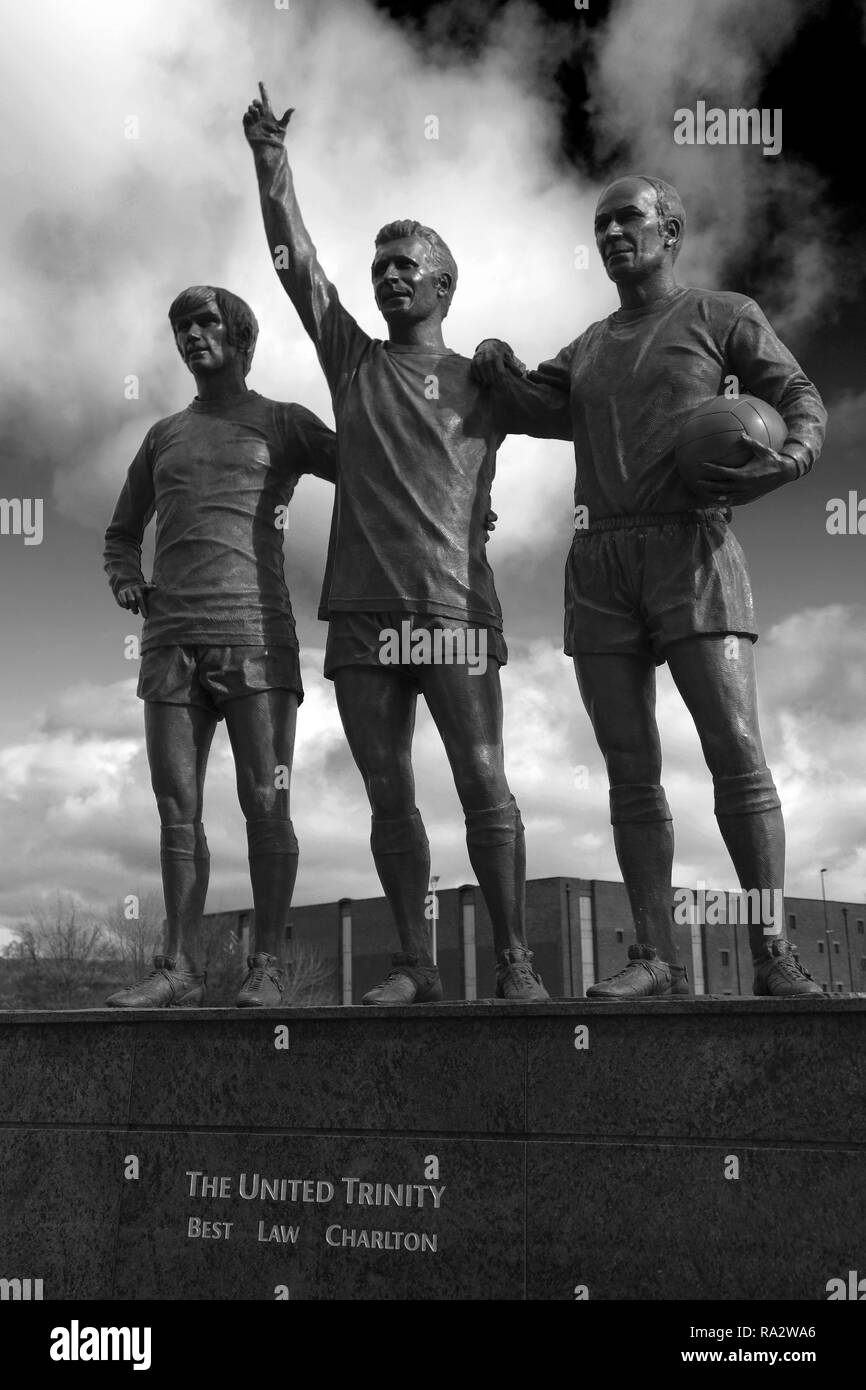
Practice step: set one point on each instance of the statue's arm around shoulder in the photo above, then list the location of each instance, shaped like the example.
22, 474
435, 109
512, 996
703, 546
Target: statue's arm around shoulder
535, 403
312, 443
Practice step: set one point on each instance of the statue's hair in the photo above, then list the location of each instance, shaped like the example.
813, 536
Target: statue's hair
242, 328
668, 204
438, 253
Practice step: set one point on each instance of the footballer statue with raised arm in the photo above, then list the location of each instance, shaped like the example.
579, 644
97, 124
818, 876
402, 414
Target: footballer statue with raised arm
416, 454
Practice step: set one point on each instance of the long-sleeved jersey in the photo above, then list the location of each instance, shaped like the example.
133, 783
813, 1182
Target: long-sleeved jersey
216, 474
634, 378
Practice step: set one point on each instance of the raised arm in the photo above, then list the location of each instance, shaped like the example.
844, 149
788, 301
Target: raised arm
333, 331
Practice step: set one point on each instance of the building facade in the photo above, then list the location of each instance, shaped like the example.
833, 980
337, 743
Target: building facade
579, 930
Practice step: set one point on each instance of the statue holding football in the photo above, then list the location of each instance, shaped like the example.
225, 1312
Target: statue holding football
684, 404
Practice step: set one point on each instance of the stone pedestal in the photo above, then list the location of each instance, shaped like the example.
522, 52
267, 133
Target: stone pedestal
657, 1151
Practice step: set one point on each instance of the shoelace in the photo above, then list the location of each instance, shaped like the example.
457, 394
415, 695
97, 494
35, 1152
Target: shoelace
152, 976
795, 968
259, 972
522, 968
627, 968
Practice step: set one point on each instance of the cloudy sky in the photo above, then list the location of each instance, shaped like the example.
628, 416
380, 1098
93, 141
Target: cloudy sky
126, 177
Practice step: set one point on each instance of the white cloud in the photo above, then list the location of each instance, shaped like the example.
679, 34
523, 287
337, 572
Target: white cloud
112, 228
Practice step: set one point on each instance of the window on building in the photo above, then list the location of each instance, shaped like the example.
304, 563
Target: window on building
346, 951
792, 921
820, 948
620, 935
839, 986
573, 977
860, 927
587, 940
863, 962
726, 957
836, 947
697, 959
243, 933
467, 928
824, 986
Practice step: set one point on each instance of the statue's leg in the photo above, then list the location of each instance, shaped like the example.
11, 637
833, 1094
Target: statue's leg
178, 743
466, 705
261, 728
607, 633
377, 707
619, 695
720, 693
178, 739
716, 678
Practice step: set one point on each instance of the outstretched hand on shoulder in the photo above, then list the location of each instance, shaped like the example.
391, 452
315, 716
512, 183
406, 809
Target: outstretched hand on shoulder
493, 361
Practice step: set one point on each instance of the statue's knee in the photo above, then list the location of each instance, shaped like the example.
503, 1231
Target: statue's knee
175, 809
263, 802
391, 792
733, 747
480, 778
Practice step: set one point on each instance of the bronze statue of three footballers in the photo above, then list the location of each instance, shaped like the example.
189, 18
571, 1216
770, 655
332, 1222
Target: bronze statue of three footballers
655, 576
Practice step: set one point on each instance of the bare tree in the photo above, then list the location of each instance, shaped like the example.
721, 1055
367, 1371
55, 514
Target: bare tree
310, 977
14, 950
220, 954
135, 925
66, 952
68, 956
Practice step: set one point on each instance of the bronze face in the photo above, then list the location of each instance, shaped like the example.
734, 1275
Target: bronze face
628, 234
407, 287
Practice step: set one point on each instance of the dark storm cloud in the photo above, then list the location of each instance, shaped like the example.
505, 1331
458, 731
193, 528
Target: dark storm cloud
655, 57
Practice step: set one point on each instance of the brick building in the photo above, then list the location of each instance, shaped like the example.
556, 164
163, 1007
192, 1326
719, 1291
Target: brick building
579, 930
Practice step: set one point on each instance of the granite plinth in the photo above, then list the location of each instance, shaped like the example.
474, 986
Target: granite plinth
458, 1151
648, 1222
59, 1208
